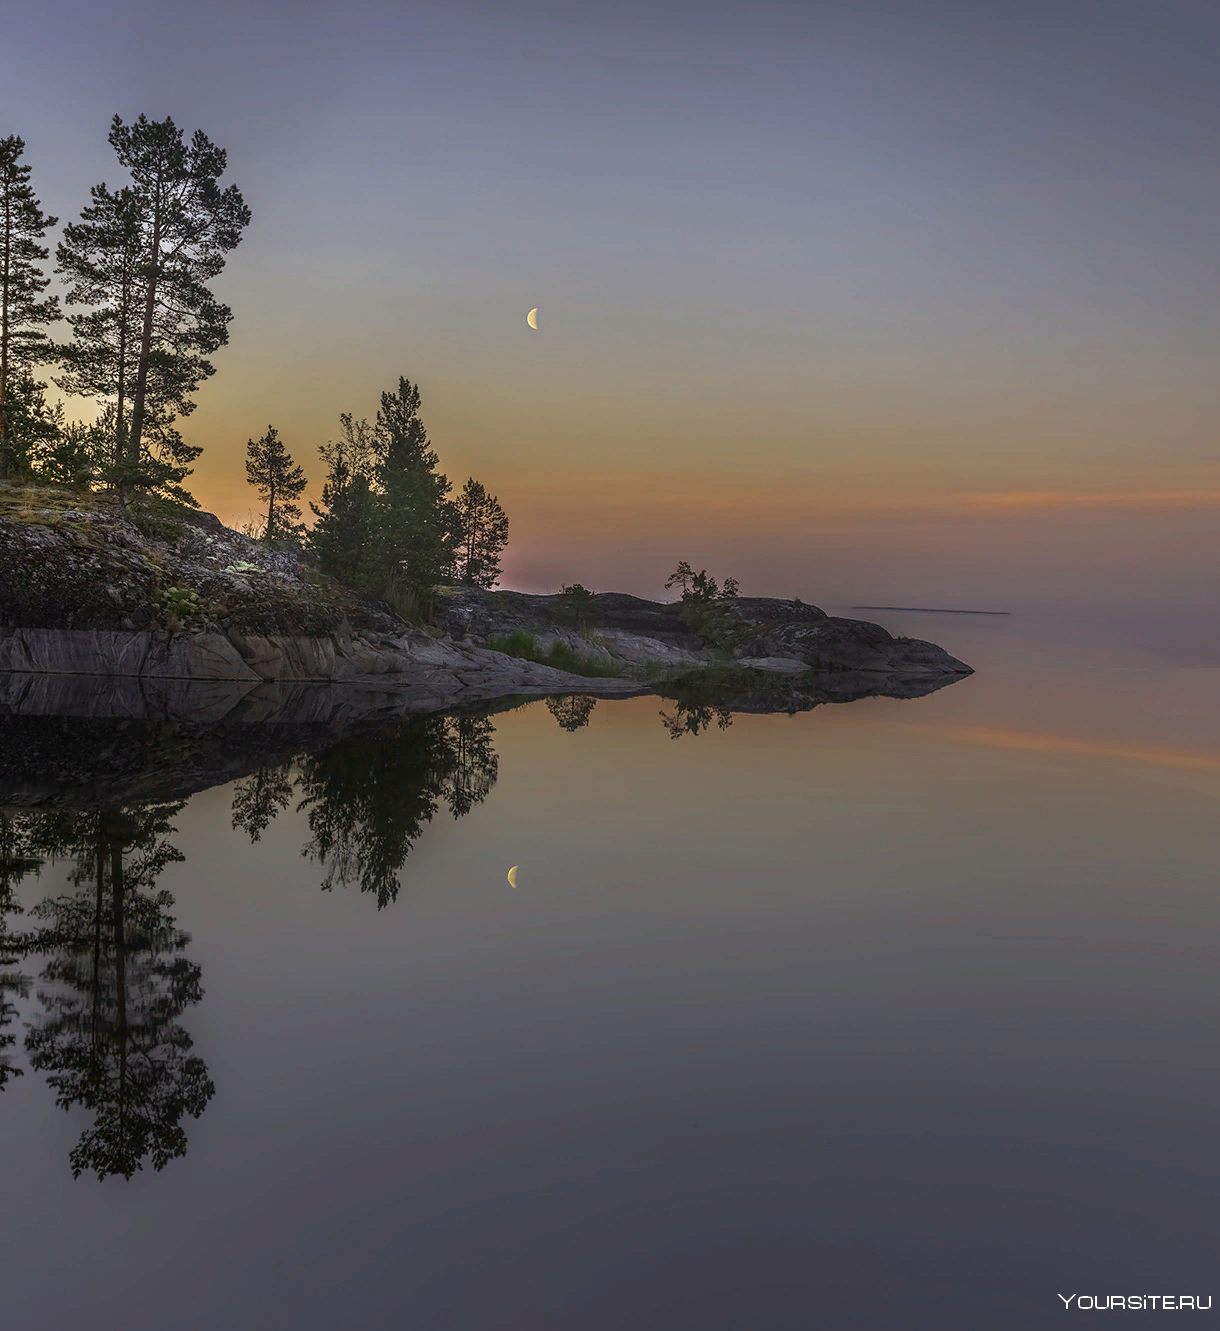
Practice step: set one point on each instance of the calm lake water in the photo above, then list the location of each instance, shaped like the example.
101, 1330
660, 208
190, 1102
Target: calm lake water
885, 1015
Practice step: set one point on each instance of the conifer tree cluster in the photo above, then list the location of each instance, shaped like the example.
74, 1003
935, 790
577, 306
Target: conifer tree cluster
136, 268
142, 317
387, 523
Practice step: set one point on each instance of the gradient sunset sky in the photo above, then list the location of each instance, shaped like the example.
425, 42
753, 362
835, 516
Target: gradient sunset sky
879, 302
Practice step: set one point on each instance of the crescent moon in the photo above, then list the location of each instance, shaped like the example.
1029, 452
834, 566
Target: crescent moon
512, 876
532, 318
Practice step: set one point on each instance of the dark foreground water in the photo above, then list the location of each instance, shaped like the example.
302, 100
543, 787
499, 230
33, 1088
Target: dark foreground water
885, 1015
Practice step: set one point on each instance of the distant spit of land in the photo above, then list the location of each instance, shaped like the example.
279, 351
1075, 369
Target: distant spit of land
931, 610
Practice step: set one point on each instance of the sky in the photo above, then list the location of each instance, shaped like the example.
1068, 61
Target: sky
863, 302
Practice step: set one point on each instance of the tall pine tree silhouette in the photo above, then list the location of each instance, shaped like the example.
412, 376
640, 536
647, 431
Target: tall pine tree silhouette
146, 255
279, 481
99, 260
483, 528
24, 310
418, 521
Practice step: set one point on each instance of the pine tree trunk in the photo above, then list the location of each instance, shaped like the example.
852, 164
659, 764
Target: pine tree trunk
150, 306
119, 447
5, 280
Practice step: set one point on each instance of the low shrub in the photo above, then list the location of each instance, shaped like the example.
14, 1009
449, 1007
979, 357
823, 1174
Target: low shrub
563, 657
518, 643
574, 604
180, 603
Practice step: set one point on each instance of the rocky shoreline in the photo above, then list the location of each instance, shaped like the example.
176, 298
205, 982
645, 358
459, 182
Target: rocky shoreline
87, 592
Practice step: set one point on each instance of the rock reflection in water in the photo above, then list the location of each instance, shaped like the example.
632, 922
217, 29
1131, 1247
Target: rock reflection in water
712, 696
368, 799
113, 986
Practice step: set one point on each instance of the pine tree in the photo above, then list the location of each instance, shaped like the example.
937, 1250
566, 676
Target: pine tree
99, 259
72, 453
483, 527
279, 481
33, 427
23, 311
386, 523
418, 521
146, 254
343, 536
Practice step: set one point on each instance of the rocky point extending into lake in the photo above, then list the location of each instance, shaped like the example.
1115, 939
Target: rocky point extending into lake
136, 614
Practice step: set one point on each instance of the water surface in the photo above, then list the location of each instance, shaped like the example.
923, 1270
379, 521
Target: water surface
888, 1014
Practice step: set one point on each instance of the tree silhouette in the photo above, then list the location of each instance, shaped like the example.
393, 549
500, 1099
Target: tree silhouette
368, 802
483, 534
574, 603
342, 538
23, 311
417, 521
113, 987
144, 256
99, 259
386, 523
279, 482
681, 577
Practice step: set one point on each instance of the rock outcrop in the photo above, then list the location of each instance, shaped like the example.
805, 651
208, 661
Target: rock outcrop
90, 591
87, 590
768, 634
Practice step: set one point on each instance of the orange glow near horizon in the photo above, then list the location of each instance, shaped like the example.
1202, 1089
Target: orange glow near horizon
1146, 755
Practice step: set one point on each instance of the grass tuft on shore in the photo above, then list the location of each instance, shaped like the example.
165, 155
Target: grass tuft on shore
521, 644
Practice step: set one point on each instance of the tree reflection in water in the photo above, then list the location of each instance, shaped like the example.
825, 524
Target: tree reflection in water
369, 798
115, 982
113, 987
693, 718
16, 861
571, 710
